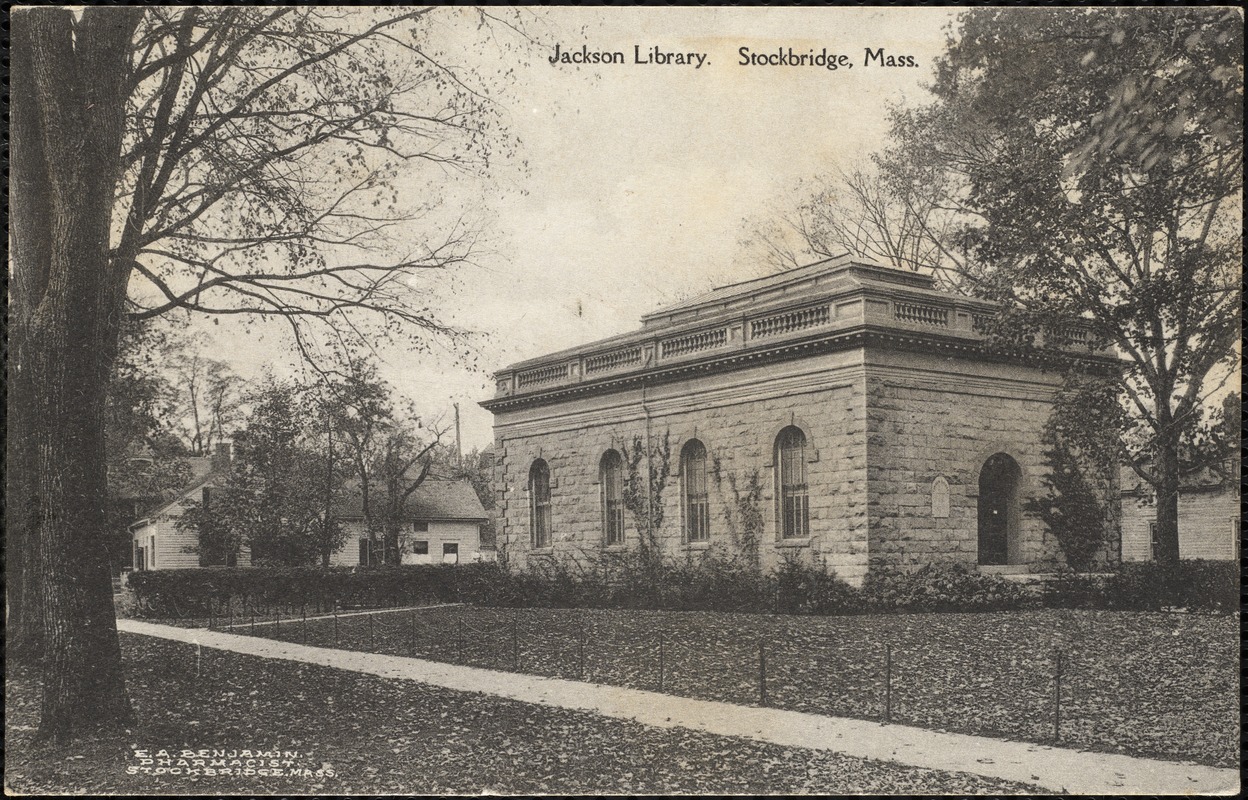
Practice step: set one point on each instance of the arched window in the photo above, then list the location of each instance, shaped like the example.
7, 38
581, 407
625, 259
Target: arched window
611, 472
539, 500
793, 508
693, 486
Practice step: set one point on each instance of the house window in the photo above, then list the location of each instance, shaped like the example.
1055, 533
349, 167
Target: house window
450, 553
792, 505
693, 486
420, 527
539, 500
151, 553
419, 553
1153, 544
612, 475
366, 552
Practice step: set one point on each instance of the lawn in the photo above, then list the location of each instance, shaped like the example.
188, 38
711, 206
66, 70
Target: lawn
1163, 685
379, 736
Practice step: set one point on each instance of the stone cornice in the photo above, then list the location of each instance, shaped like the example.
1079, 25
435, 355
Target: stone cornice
865, 335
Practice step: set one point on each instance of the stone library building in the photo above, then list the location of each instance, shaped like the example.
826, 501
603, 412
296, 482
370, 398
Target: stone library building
842, 413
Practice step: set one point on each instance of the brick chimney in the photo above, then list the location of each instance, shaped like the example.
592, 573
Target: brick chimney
222, 454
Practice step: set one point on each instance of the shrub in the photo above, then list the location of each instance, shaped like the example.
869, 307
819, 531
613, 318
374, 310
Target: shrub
1069, 589
200, 592
942, 587
802, 588
1194, 585
715, 584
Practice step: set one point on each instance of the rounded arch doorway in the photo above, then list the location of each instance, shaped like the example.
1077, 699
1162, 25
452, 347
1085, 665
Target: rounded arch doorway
998, 510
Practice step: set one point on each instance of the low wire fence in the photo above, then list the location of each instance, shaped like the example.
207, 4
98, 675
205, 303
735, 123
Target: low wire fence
1007, 687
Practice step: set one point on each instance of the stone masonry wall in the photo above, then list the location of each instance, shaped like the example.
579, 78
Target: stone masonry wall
931, 417
737, 417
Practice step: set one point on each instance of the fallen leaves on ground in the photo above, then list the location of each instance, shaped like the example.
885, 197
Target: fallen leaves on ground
1161, 685
401, 737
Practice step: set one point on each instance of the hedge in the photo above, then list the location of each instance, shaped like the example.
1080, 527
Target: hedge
793, 587
201, 592
1193, 585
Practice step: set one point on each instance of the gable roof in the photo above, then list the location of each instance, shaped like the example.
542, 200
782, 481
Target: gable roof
190, 492
435, 499
202, 475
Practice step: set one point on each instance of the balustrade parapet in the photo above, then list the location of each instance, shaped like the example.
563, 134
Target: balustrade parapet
910, 310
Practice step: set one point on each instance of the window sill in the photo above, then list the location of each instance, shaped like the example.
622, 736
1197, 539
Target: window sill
695, 546
803, 542
542, 551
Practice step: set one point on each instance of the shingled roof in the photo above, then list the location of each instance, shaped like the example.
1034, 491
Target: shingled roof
435, 499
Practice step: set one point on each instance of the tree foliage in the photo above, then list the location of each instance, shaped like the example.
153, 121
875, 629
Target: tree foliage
209, 394
146, 461
1139, 241
1082, 453
273, 498
389, 447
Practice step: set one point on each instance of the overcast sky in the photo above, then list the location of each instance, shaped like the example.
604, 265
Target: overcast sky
640, 179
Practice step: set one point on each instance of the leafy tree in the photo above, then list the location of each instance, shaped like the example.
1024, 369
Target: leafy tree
1140, 241
477, 468
272, 500
223, 160
1082, 453
145, 460
404, 464
389, 449
358, 410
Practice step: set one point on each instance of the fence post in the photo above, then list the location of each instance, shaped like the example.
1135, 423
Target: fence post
335, 623
762, 673
277, 625
211, 617
229, 607
303, 611
515, 642
253, 619
661, 648
459, 641
580, 651
413, 632
888, 683
1057, 697
371, 637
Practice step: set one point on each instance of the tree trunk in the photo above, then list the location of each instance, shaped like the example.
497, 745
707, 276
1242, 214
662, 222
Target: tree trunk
70, 100
29, 250
1166, 468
